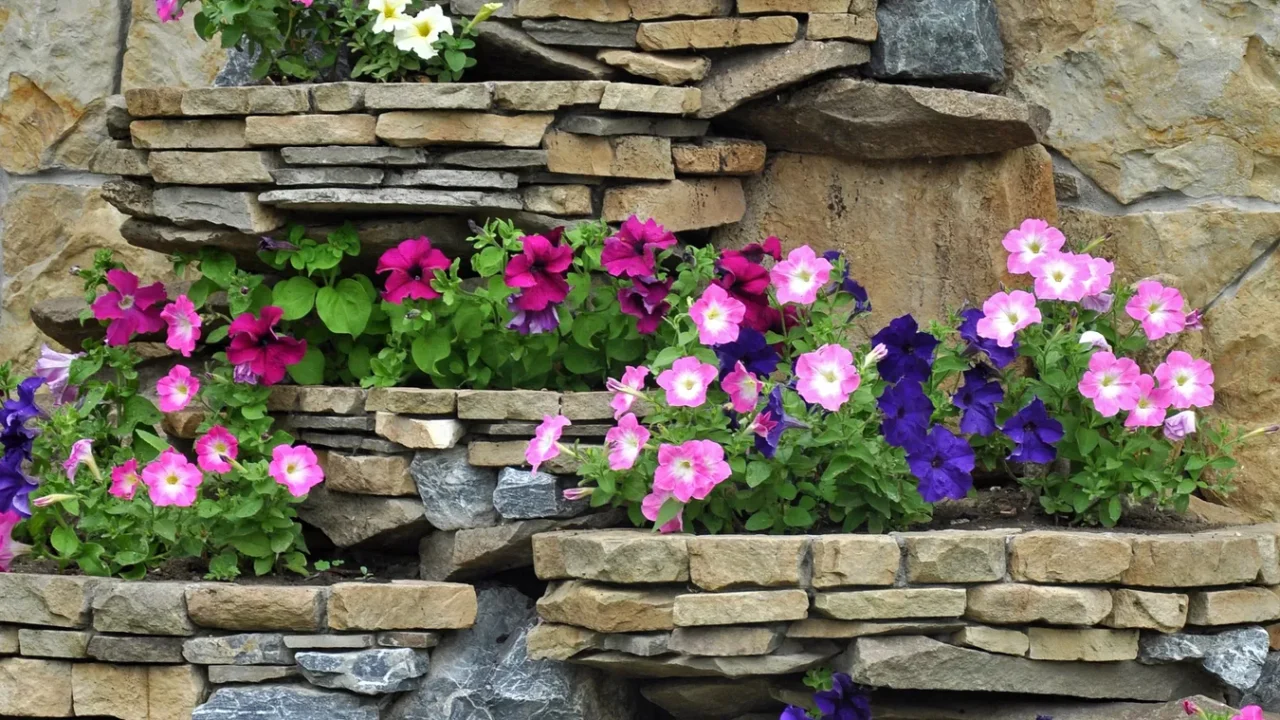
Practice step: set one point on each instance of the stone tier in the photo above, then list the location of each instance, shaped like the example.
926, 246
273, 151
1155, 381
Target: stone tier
92, 647
1097, 616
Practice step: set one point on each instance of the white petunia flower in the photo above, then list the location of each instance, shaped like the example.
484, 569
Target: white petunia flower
421, 32
390, 15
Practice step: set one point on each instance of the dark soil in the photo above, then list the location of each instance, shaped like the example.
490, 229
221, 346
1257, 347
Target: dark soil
1016, 507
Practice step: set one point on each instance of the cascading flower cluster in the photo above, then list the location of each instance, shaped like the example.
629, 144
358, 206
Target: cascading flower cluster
413, 33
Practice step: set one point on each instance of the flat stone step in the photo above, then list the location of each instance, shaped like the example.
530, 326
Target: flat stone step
434, 177
390, 199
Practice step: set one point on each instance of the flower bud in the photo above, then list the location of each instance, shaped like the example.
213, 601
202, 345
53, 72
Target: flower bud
1099, 303
53, 499
1190, 707
1094, 338
1179, 426
878, 353
574, 494
1195, 319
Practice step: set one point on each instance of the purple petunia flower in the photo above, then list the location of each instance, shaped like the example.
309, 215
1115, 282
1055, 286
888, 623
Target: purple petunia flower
646, 301
531, 322
631, 252
907, 411
794, 712
978, 398
861, 301
1035, 434
943, 462
999, 356
910, 351
16, 438
771, 422
750, 349
844, 701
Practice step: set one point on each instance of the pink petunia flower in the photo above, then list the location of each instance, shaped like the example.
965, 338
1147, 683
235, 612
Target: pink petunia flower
539, 270
687, 381
411, 265
9, 519
172, 480
1030, 242
1099, 280
1180, 425
625, 391
717, 315
296, 468
1151, 407
216, 449
1060, 276
743, 388
827, 376
256, 346
1158, 308
1249, 712
691, 470
168, 10
651, 507
798, 278
1186, 382
546, 440
630, 253
55, 368
131, 309
625, 441
125, 480
712, 466
184, 325
1005, 313
177, 389
81, 454
304, 3
1099, 303
1111, 383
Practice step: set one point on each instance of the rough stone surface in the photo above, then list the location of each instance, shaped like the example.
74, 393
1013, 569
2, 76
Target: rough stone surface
779, 663
719, 157
920, 663
566, 200
681, 204
260, 100
353, 443
842, 26
1011, 604
145, 102
666, 69
733, 562
329, 642
142, 609
418, 433
531, 59
550, 641
353, 156
436, 177
402, 605
521, 494
490, 159
819, 628
717, 33
349, 129
758, 606
994, 640
892, 604
1236, 656
364, 520
750, 7
626, 557
64, 644
1233, 607
338, 97
547, 96
487, 453
860, 119
580, 33
1193, 561
1165, 612
285, 701
726, 641
609, 609
369, 474
231, 167
757, 73
135, 649
1090, 645
847, 560
954, 557
8, 640
238, 674
248, 607
507, 405
584, 124
711, 698
455, 494
412, 401
408, 129
367, 672
174, 691
626, 156
243, 649
408, 639
1068, 558
51, 600
631, 97
188, 134
114, 157
315, 400
641, 644
328, 176
390, 200
240, 210
608, 11
113, 690
35, 688
956, 42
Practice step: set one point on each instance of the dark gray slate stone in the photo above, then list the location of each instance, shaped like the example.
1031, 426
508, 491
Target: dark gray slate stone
138, 649
954, 42
243, 649
522, 57
456, 495
1266, 693
344, 155
524, 495
1235, 656
490, 159
368, 672
285, 702
583, 33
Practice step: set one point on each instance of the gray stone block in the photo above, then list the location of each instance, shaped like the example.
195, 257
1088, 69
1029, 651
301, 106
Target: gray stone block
524, 495
285, 702
455, 494
955, 42
368, 672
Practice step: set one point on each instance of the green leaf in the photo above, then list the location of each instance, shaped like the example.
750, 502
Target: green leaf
581, 361
358, 361
311, 370
295, 296
138, 410
431, 349
670, 509
255, 546
344, 308
757, 472
762, 520
218, 266
64, 540
666, 357
129, 557
797, 517
218, 335
281, 541
1114, 507
1087, 439
166, 528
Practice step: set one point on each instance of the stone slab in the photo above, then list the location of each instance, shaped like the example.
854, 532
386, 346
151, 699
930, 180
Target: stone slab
35, 688
402, 605
63, 644
1087, 645
342, 156
188, 134
412, 401
720, 156
892, 604
680, 204
1069, 558
1013, 604
852, 560
717, 33
327, 177
50, 600
317, 400
109, 690
496, 159
410, 129
348, 129
723, 563
440, 177
732, 608
429, 96
142, 609
229, 167
665, 68
419, 433
386, 475
587, 124
248, 607
609, 609
624, 156
559, 200
260, 100
760, 72
391, 200
136, 649
239, 210
625, 557
652, 99
953, 556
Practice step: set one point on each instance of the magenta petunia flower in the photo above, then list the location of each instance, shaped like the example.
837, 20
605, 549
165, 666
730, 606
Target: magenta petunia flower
539, 271
184, 325
411, 265
651, 506
1005, 313
1111, 383
717, 316
1060, 276
255, 344
743, 388
296, 468
9, 519
1151, 406
1099, 280
168, 10
628, 390
1158, 308
125, 480
798, 278
687, 381
55, 368
631, 252
81, 454
1249, 712
131, 309
1185, 381
1099, 303
1030, 242
827, 376
545, 444
646, 301
177, 389
172, 480
690, 470
216, 449
748, 282
625, 441
1180, 425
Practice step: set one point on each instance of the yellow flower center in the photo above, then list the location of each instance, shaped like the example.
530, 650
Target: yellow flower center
172, 479
422, 28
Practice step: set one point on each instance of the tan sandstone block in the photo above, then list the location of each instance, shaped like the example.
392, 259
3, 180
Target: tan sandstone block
174, 691
233, 167
717, 33
1233, 607
8, 640
627, 156
627, 557
338, 97
654, 9
310, 130
369, 474
842, 26
1014, 604
954, 556
142, 609
118, 691
547, 95
402, 605
609, 609
679, 205
594, 10
559, 200
720, 563
747, 7
35, 688
1165, 612
507, 404
52, 600
188, 134
720, 156
666, 69
552, 641
1069, 558
847, 560
1090, 645
726, 641
321, 400
412, 401
652, 99
735, 608
419, 433
255, 607
412, 129
891, 604
826, 628
252, 100
994, 640
153, 101
1193, 561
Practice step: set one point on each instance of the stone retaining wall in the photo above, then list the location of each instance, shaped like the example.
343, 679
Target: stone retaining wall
1142, 617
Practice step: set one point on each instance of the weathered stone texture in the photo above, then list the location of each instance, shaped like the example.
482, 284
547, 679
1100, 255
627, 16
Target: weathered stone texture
732, 608
680, 204
35, 688
248, 607
116, 691
953, 42
720, 157
615, 556
849, 560
954, 557
746, 76
609, 609
1192, 561
142, 609
1087, 645
52, 600
402, 605
1233, 607
369, 474
717, 33
995, 640
892, 604
1012, 604
408, 129
221, 134
1165, 612
721, 563
666, 69
310, 130
626, 156
1068, 558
